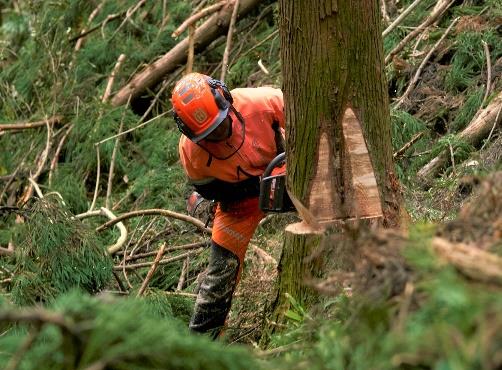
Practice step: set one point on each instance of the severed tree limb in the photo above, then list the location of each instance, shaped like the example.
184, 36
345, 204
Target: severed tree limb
184, 273
156, 212
406, 146
489, 73
199, 15
191, 48
204, 35
55, 120
477, 129
228, 46
93, 15
440, 8
416, 77
475, 263
149, 275
111, 79
399, 19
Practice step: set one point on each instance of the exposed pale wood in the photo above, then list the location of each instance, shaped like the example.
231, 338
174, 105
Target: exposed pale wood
361, 198
216, 25
366, 198
470, 261
123, 232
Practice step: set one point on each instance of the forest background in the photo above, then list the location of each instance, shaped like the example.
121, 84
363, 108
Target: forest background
82, 289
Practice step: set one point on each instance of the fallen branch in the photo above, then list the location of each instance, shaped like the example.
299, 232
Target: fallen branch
156, 212
477, 129
93, 15
191, 49
161, 262
152, 270
106, 212
183, 275
111, 79
475, 263
440, 8
195, 17
27, 125
228, 46
406, 146
167, 250
416, 77
399, 19
204, 35
489, 73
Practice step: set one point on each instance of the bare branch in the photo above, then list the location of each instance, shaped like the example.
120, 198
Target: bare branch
27, 125
111, 79
416, 77
161, 262
152, 270
194, 18
489, 72
228, 46
156, 212
440, 8
399, 19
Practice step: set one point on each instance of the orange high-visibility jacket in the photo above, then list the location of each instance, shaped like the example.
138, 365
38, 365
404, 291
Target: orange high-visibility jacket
260, 108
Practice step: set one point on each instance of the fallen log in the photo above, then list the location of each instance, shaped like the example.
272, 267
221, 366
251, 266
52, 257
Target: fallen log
474, 263
473, 134
27, 125
215, 26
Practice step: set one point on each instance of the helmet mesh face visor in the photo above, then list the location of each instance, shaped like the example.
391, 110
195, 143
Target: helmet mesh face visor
227, 147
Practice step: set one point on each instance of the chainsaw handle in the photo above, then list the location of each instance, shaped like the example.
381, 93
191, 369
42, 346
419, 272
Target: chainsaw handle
280, 158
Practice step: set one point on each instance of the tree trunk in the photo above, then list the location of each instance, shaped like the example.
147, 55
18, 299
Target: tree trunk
339, 149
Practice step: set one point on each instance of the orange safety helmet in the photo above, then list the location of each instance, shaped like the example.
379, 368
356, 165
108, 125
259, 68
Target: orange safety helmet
200, 104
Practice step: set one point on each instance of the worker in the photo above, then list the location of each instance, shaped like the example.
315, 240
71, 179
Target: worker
228, 140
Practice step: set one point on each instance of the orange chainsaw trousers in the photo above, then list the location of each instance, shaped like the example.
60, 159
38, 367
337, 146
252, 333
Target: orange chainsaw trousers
234, 224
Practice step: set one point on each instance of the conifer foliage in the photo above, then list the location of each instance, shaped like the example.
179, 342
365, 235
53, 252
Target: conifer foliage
56, 253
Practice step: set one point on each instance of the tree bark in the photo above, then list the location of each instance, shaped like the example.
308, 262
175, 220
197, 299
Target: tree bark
339, 149
215, 26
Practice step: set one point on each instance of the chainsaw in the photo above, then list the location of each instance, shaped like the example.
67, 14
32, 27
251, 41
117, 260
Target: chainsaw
273, 194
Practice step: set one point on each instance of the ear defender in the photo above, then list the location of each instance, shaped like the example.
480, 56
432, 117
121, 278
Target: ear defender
184, 129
